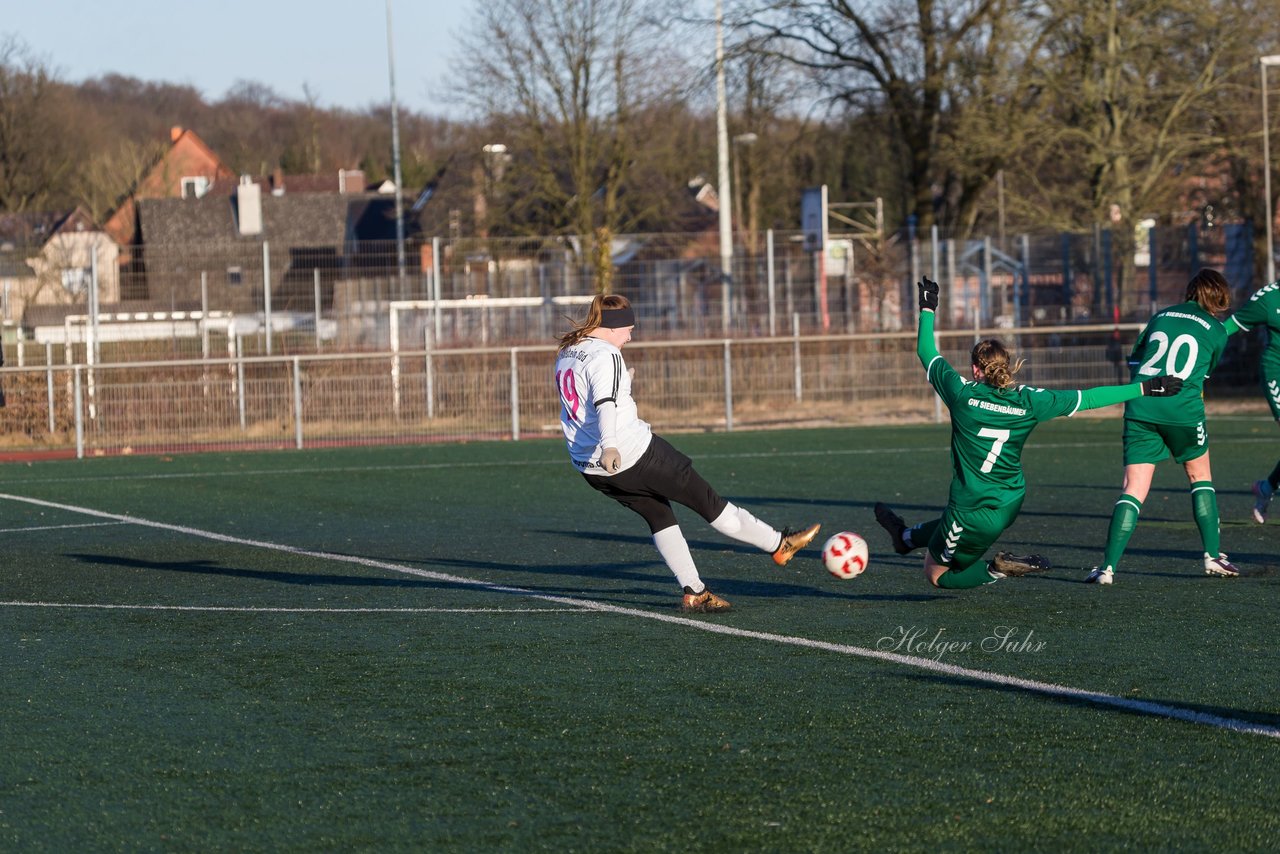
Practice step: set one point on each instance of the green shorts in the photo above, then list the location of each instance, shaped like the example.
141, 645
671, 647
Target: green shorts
963, 536
1145, 442
1271, 388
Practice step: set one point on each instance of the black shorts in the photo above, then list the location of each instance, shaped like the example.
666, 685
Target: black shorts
662, 475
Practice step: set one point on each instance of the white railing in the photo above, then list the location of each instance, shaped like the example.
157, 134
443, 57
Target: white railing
432, 395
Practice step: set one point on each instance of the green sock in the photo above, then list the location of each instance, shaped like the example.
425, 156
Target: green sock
1204, 504
1274, 478
1124, 518
974, 575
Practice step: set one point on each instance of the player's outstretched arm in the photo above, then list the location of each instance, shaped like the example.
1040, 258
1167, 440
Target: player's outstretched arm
926, 348
1108, 395
1166, 386
944, 379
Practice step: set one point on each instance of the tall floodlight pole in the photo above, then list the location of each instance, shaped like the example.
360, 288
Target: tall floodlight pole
722, 153
1266, 62
395, 153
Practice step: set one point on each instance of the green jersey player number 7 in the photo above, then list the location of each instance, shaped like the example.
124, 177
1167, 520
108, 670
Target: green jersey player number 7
991, 418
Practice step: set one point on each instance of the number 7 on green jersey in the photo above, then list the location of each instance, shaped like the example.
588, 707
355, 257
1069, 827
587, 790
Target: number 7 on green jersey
1000, 436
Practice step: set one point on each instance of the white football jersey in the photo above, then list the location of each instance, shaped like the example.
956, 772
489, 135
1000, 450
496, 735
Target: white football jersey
590, 373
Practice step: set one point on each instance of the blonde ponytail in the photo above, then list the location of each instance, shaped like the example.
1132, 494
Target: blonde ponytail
991, 357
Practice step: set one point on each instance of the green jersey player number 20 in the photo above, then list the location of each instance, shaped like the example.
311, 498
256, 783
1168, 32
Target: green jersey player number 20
1177, 358
1185, 340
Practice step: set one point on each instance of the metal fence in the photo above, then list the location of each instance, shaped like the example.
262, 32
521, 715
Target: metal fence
417, 396
349, 349
260, 297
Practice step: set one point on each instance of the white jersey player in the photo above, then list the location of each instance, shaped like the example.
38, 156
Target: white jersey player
618, 454
590, 375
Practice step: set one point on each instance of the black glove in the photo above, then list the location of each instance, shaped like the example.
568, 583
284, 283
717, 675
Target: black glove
1161, 386
928, 294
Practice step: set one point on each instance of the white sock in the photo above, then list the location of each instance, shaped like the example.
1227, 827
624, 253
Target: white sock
741, 525
906, 537
675, 551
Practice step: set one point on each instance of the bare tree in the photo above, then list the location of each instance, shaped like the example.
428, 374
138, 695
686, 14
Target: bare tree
1133, 89
761, 90
994, 94
561, 81
37, 142
1236, 181
110, 171
903, 58
118, 107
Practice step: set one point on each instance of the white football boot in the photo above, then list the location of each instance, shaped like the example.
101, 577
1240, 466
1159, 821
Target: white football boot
1100, 575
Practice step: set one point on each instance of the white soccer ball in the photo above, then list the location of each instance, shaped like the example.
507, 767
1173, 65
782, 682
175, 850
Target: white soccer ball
845, 555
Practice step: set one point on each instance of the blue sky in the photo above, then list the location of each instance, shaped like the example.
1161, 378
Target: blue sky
337, 49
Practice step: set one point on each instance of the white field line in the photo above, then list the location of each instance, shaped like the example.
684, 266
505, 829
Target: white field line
561, 461
58, 527
983, 676
240, 609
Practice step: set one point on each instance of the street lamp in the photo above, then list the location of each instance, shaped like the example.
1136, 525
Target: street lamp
1266, 62
395, 156
497, 153
722, 161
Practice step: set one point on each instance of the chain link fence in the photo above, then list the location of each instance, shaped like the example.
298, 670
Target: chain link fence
507, 393
252, 345
271, 299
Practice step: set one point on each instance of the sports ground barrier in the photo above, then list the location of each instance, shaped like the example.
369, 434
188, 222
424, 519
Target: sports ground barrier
506, 393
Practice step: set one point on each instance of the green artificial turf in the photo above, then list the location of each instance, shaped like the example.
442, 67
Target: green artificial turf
409, 676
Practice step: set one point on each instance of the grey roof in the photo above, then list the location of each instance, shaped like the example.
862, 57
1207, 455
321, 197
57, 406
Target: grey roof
14, 266
301, 219
32, 229
304, 219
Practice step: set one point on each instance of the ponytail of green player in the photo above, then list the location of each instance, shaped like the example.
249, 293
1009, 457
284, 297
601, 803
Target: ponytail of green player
992, 361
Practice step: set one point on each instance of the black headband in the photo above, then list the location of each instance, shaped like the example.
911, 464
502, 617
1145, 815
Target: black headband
617, 318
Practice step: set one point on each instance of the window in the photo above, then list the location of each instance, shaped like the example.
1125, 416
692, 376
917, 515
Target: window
235, 275
194, 187
76, 279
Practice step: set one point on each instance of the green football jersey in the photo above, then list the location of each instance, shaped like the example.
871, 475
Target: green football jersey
1263, 309
1185, 341
989, 426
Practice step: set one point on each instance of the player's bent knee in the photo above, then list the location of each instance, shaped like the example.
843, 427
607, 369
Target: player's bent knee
932, 572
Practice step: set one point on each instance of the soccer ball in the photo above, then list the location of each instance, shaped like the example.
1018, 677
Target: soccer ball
845, 555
